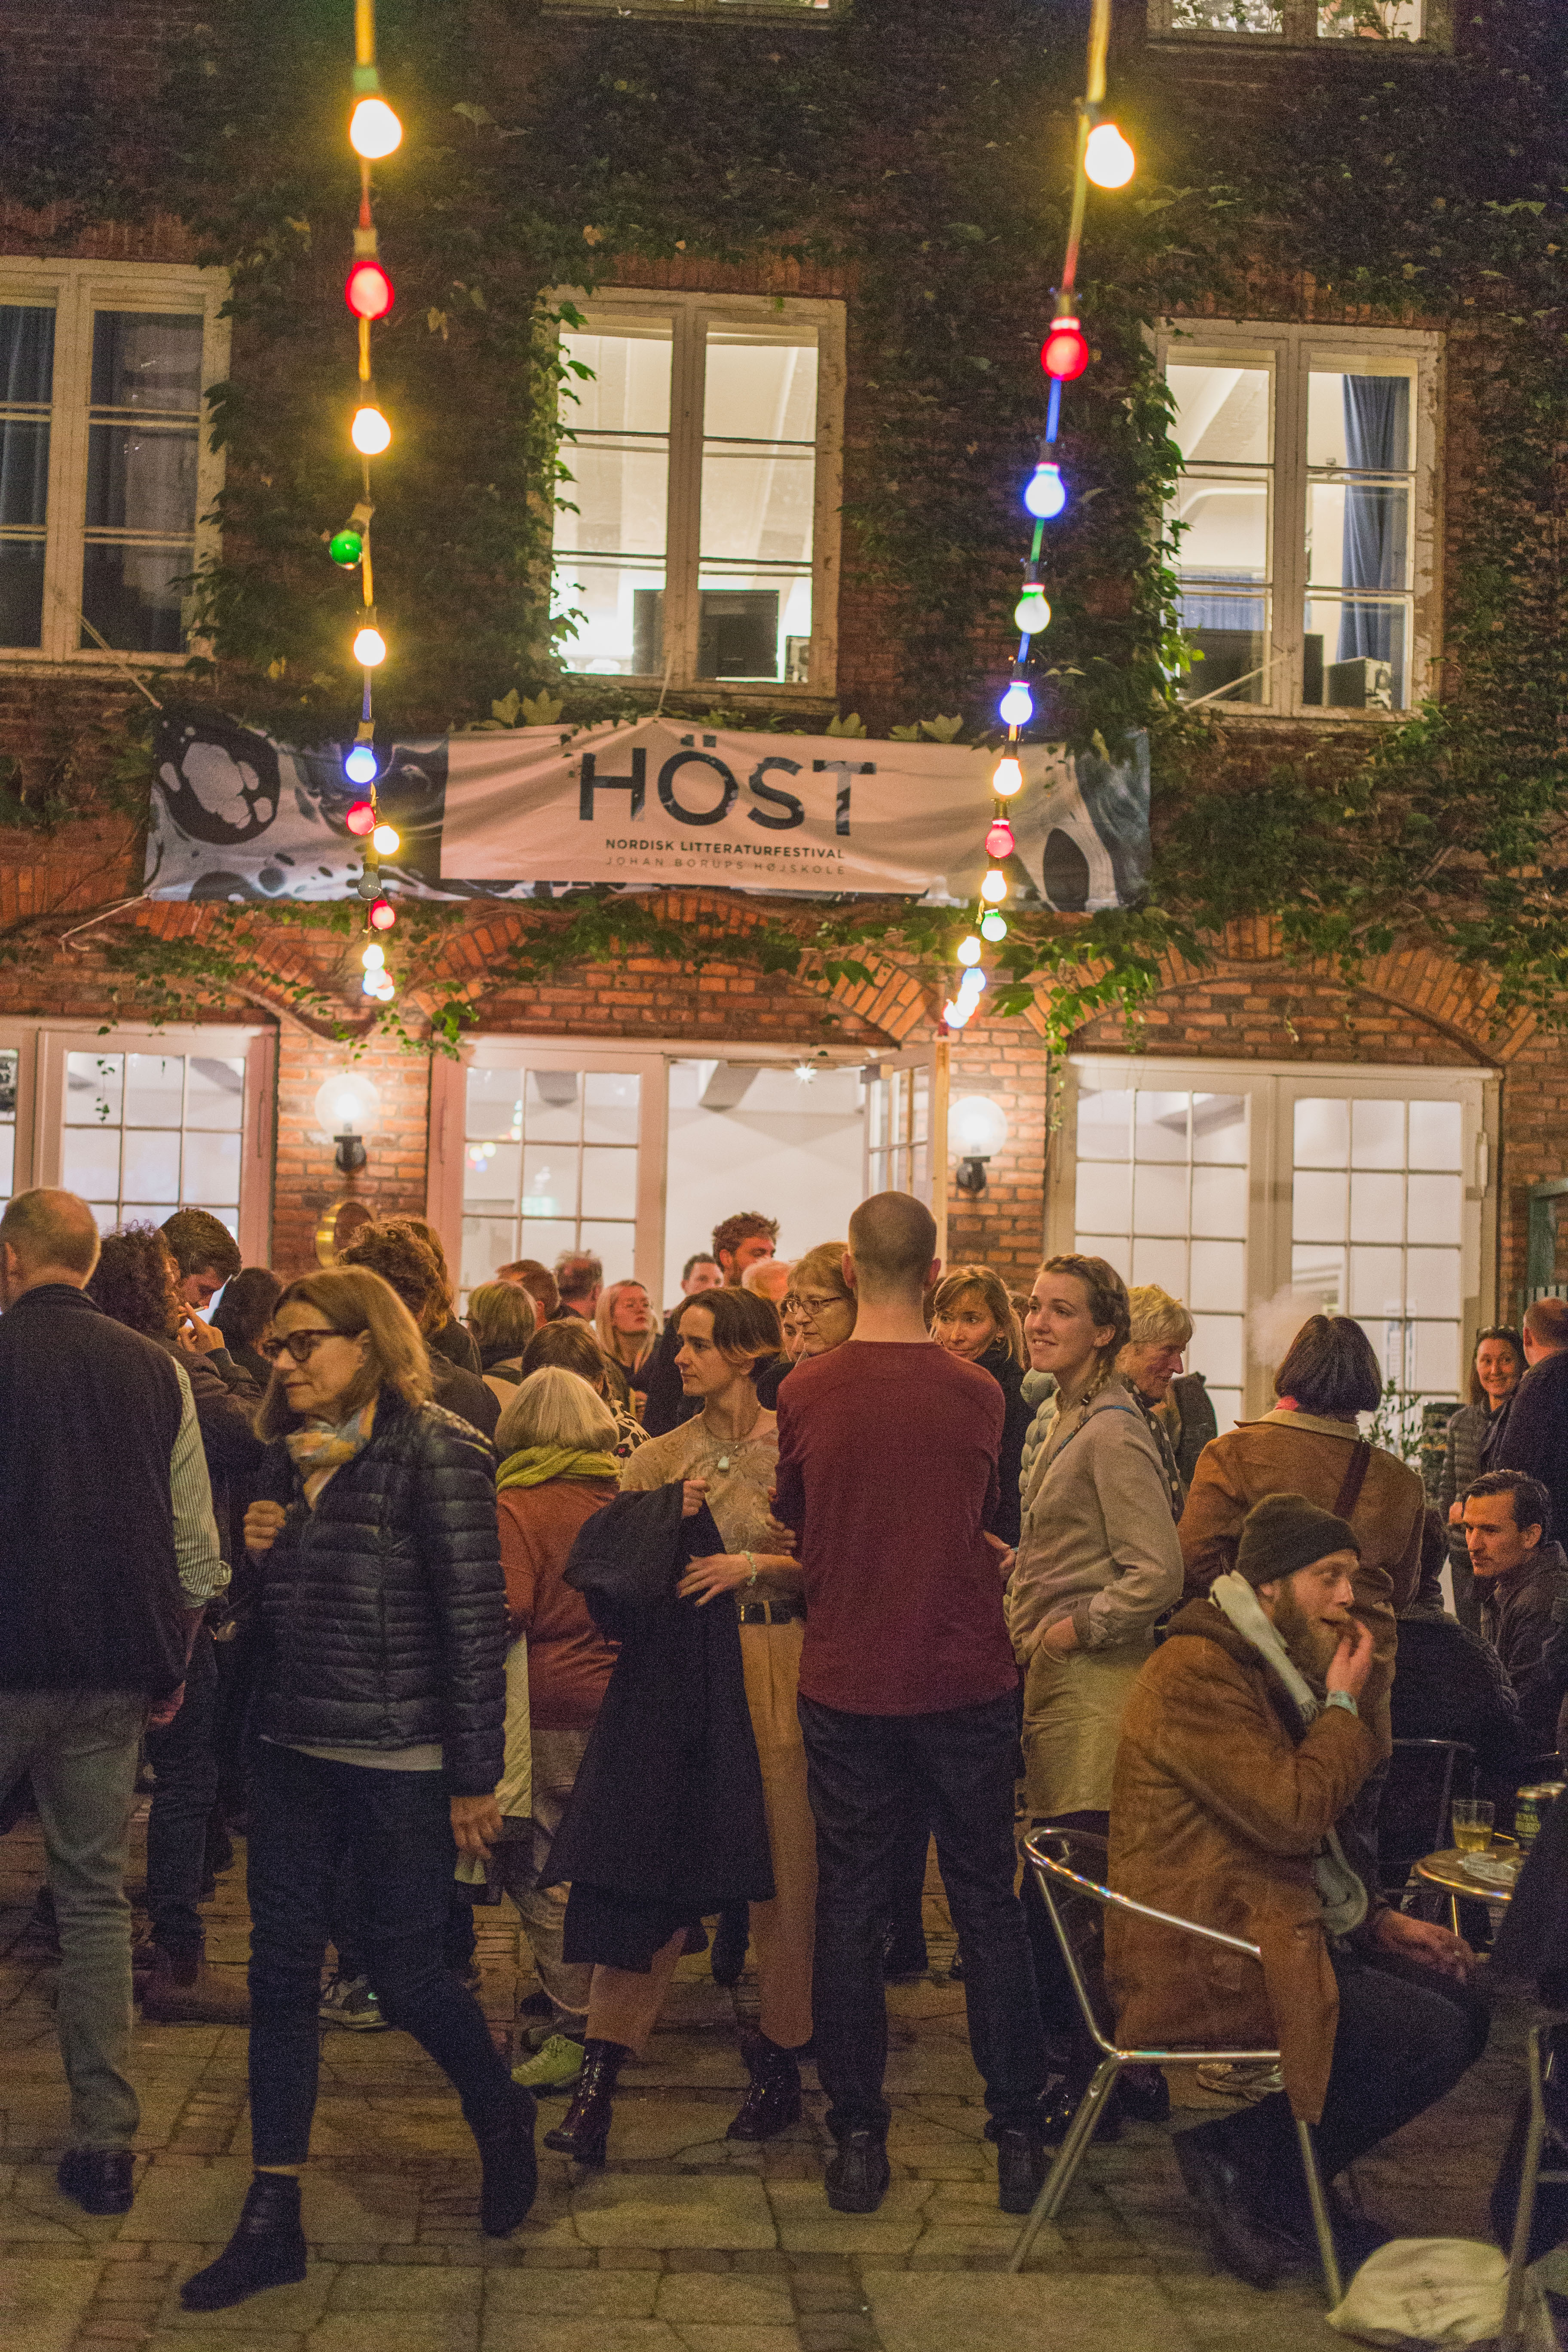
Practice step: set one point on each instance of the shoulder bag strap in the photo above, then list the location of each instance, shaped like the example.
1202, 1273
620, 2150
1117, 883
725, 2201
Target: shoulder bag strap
1349, 1495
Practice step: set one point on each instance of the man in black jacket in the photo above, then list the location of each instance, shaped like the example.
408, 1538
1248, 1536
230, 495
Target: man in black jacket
1535, 1437
107, 1552
1522, 1577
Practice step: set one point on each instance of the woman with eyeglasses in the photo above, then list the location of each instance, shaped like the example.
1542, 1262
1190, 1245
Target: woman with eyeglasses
379, 1714
820, 1301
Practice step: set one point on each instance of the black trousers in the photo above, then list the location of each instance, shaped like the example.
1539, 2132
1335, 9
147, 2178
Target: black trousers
307, 1818
878, 1784
183, 1756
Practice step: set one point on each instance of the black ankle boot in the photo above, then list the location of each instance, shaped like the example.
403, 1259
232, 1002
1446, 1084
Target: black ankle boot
772, 2103
585, 2131
510, 2167
268, 2248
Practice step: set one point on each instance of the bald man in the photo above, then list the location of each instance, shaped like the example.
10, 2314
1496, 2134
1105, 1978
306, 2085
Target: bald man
109, 1551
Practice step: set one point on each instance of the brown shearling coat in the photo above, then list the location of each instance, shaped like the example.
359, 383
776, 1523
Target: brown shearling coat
1219, 1804
1297, 1454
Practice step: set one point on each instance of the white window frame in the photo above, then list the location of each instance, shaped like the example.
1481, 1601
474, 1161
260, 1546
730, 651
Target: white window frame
689, 315
794, 12
41, 1048
1289, 352
1299, 30
1274, 1088
75, 289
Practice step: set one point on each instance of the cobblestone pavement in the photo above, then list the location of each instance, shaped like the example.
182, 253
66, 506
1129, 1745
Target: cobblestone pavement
685, 2243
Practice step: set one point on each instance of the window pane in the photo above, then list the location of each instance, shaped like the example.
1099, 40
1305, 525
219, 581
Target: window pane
215, 1092
141, 480
495, 1104
1377, 1282
94, 1083
610, 551
1436, 1206
1104, 1124
1377, 1135
549, 1184
1114, 1249
1217, 1347
491, 1175
1436, 1132
488, 1242
1377, 1208
211, 1170
1160, 1128
21, 592
1219, 1128
132, 596
1323, 1133
1435, 1357
614, 1246
89, 1162
1222, 506
1104, 1198
1218, 1276
1319, 1207
147, 360
152, 1166
1219, 1202
1160, 1201
1369, 20
550, 1110
1226, 16
544, 1238
24, 471
758, 476
610, 1101
1320, 1273
1359, 513
1432, 1280
27, 355
609, 1183
1160, 1261
155, 1089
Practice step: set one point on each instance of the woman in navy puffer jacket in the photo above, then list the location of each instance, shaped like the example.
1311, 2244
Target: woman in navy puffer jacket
381, 1715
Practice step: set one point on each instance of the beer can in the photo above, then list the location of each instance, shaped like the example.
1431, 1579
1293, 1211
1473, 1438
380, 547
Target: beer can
1531, 1807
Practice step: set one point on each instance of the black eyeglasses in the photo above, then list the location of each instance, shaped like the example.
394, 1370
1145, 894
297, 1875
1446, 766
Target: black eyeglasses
301, 1346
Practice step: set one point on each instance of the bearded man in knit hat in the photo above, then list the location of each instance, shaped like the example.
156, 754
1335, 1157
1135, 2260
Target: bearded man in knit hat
1241, 1747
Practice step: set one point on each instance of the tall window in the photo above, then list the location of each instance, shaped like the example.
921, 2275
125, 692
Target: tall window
698, 536
1304, 516
899, 1132
550, 1163
103, 473
1302, 20
146, 1134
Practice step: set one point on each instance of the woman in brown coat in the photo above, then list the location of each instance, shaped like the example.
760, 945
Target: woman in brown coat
1310, 1444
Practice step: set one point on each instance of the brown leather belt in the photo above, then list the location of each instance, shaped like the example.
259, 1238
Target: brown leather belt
769, 1612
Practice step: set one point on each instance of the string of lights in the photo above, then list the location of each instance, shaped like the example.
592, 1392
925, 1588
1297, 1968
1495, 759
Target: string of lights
1104, 158
374, 132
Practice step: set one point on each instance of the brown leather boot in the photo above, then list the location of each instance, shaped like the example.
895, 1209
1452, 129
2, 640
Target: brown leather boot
585, 2132
181, 1989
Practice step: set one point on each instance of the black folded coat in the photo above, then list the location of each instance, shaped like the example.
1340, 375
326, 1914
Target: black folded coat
665, 1821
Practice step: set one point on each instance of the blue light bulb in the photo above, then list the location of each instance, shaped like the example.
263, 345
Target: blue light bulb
359, 766
1018, 705
1047, 493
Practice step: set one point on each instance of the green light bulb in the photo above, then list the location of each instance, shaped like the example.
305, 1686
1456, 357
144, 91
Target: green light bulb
346, 547
993, 927
1031, 612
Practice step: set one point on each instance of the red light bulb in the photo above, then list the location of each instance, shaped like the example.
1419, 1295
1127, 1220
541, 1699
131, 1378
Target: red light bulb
1065, 352
368, 290
382, 915
360, 818
999, 840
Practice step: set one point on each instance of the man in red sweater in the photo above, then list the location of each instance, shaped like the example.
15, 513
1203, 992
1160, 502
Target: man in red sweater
886, 1472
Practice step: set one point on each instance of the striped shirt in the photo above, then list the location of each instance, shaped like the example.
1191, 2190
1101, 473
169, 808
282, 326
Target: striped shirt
203, 1571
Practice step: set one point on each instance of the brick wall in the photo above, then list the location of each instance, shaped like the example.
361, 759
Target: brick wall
391, 1183
1003, 1226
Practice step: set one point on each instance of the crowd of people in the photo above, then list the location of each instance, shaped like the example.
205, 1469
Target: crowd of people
658, 1622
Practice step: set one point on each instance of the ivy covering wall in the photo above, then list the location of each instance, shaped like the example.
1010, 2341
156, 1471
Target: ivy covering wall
921, 153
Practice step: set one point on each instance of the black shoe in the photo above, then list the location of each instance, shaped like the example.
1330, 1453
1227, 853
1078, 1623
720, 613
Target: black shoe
1238, 2241
268, 2248
536, 2004
772, 2103
1020, 2168
729, 1940
1142, 2096
1060, 2106
98, 2178
584, 2131
1356, 2235
905, 1961
510, 2167
857, 2176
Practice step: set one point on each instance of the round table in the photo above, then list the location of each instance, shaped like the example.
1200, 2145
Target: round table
1446, 1870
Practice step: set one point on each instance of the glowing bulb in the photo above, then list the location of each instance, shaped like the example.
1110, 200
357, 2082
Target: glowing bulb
993, 890
1045, 493
1107, 159
1008, 779
385, 989
367, 290
370, 431
999, 840
385, 840
1031, 612
361, 819
382, 915
359, 764
370, 984
1065, 352
346, 547
969, 951
370, 648
374, 957
993, 927
374, 129
1018, 705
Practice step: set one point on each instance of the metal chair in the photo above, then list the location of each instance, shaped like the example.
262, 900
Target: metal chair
1075, 1904
1530, 2179
1424, 1777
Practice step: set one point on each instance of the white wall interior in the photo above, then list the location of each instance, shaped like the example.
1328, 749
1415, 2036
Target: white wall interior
794, 1150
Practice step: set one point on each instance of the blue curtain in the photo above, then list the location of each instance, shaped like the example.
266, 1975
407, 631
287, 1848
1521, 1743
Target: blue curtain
27, 376
1377, 441
1209, 607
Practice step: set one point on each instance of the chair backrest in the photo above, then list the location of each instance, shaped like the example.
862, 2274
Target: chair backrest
1425, 1775
1077, 1913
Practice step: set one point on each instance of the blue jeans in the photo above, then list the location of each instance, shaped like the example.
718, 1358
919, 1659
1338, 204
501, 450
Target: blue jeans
80, 1749
878, 1784
183, 1756
308, 1818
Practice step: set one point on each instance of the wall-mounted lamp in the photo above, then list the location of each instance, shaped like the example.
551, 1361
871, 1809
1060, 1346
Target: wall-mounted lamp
976, 1131
348, 1108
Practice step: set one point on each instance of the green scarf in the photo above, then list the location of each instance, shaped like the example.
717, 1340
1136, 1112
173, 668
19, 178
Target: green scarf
535, 1463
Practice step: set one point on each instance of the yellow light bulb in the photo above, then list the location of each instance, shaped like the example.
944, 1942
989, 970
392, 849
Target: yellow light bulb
993, 890
386, 839
969, 949
374, 130
370, 648
374, 957
370, 433
1008, 779
1107, 159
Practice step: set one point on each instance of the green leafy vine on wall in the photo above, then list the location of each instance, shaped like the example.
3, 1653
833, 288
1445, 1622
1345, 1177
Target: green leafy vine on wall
925, 162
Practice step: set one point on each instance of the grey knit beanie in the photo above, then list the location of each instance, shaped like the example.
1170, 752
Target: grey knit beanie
1285, 1532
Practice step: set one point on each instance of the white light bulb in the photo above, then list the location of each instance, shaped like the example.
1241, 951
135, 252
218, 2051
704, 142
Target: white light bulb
1007, 779
374, 957
993, 890
969, 951
374, 130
